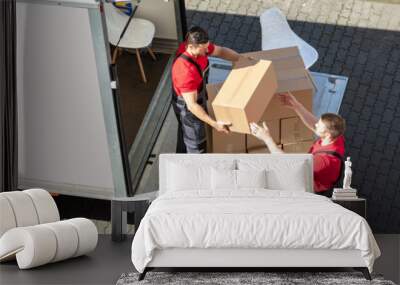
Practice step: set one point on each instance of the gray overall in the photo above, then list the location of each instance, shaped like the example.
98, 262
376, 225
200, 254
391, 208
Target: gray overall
191, 130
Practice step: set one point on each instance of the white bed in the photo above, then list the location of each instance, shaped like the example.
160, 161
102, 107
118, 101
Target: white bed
218, 210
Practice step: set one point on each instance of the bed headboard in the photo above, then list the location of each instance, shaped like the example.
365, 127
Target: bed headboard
164, 159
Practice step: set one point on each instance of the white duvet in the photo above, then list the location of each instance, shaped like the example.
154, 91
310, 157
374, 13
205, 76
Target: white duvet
253, 218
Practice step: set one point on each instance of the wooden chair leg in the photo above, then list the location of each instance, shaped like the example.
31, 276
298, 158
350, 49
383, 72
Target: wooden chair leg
153, 56
115, 55
141, 65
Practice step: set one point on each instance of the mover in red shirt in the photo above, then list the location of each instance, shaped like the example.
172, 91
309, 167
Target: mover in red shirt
189, 98
328, 150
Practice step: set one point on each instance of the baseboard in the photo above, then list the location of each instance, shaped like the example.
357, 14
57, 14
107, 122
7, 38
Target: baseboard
68, 189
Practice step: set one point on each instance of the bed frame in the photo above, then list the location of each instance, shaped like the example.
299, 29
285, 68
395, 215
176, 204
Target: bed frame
246, 258
242, 259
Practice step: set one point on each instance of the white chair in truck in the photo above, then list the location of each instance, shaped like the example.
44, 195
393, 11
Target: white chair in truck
276, 33
138, 35
31, 231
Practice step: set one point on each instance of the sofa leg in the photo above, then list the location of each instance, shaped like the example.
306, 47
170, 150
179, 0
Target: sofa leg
364, 271
143, 274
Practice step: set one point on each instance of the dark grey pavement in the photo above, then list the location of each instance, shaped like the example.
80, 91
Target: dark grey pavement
354, 38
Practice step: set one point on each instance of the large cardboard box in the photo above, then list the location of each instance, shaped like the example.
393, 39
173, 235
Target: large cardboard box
293, 130
299, 147
274, 129
212, 91
291, 75
218, 142
245, 95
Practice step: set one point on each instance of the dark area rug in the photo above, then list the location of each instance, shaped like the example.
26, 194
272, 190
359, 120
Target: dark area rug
228, 278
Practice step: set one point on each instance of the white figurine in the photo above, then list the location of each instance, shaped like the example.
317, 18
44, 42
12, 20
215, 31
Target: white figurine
347, 174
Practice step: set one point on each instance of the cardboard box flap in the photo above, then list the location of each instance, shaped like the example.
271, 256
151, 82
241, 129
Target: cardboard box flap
274, 54
294, 85
292, 74
289, 67
290, 63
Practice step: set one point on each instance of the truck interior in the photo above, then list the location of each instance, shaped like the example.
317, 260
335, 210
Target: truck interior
87, 127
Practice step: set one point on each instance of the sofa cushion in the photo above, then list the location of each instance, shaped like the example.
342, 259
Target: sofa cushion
23, 208
27, 208
7, 216
45, 205
45, 243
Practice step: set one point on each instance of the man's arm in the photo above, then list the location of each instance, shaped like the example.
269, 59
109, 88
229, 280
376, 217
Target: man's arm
306, 116
263, 134
225, 53
191, 102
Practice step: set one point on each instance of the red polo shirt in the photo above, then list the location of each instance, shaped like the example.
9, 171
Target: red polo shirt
326, 166
185, 76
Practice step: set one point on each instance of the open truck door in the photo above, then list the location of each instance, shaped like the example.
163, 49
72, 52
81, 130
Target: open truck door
71, 136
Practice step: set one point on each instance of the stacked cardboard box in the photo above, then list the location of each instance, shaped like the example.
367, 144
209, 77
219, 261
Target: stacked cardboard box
295, 136
285, 127
254, 145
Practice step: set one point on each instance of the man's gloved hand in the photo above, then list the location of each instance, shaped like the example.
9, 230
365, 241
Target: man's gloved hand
222, 126
259, 132
248, 57
288, 100
243, 61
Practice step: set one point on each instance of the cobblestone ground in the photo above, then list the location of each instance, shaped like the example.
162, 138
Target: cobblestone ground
358, 39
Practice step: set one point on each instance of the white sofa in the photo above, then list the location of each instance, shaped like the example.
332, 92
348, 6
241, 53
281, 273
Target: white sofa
214, 210
31, 231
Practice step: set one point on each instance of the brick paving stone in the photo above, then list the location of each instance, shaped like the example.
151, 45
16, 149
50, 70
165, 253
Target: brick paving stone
396, 124
356, 38
394, 138
365, 114
392, 102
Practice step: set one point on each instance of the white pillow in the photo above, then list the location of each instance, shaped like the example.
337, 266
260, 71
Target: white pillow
226, 179
223, 179
292, 180
282, 174
184, 175
251, 178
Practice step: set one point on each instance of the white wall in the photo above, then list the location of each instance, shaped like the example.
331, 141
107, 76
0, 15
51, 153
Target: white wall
162, 14
62, 136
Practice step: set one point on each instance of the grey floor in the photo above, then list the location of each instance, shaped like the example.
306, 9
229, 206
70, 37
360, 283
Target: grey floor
110, 260
103, 266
